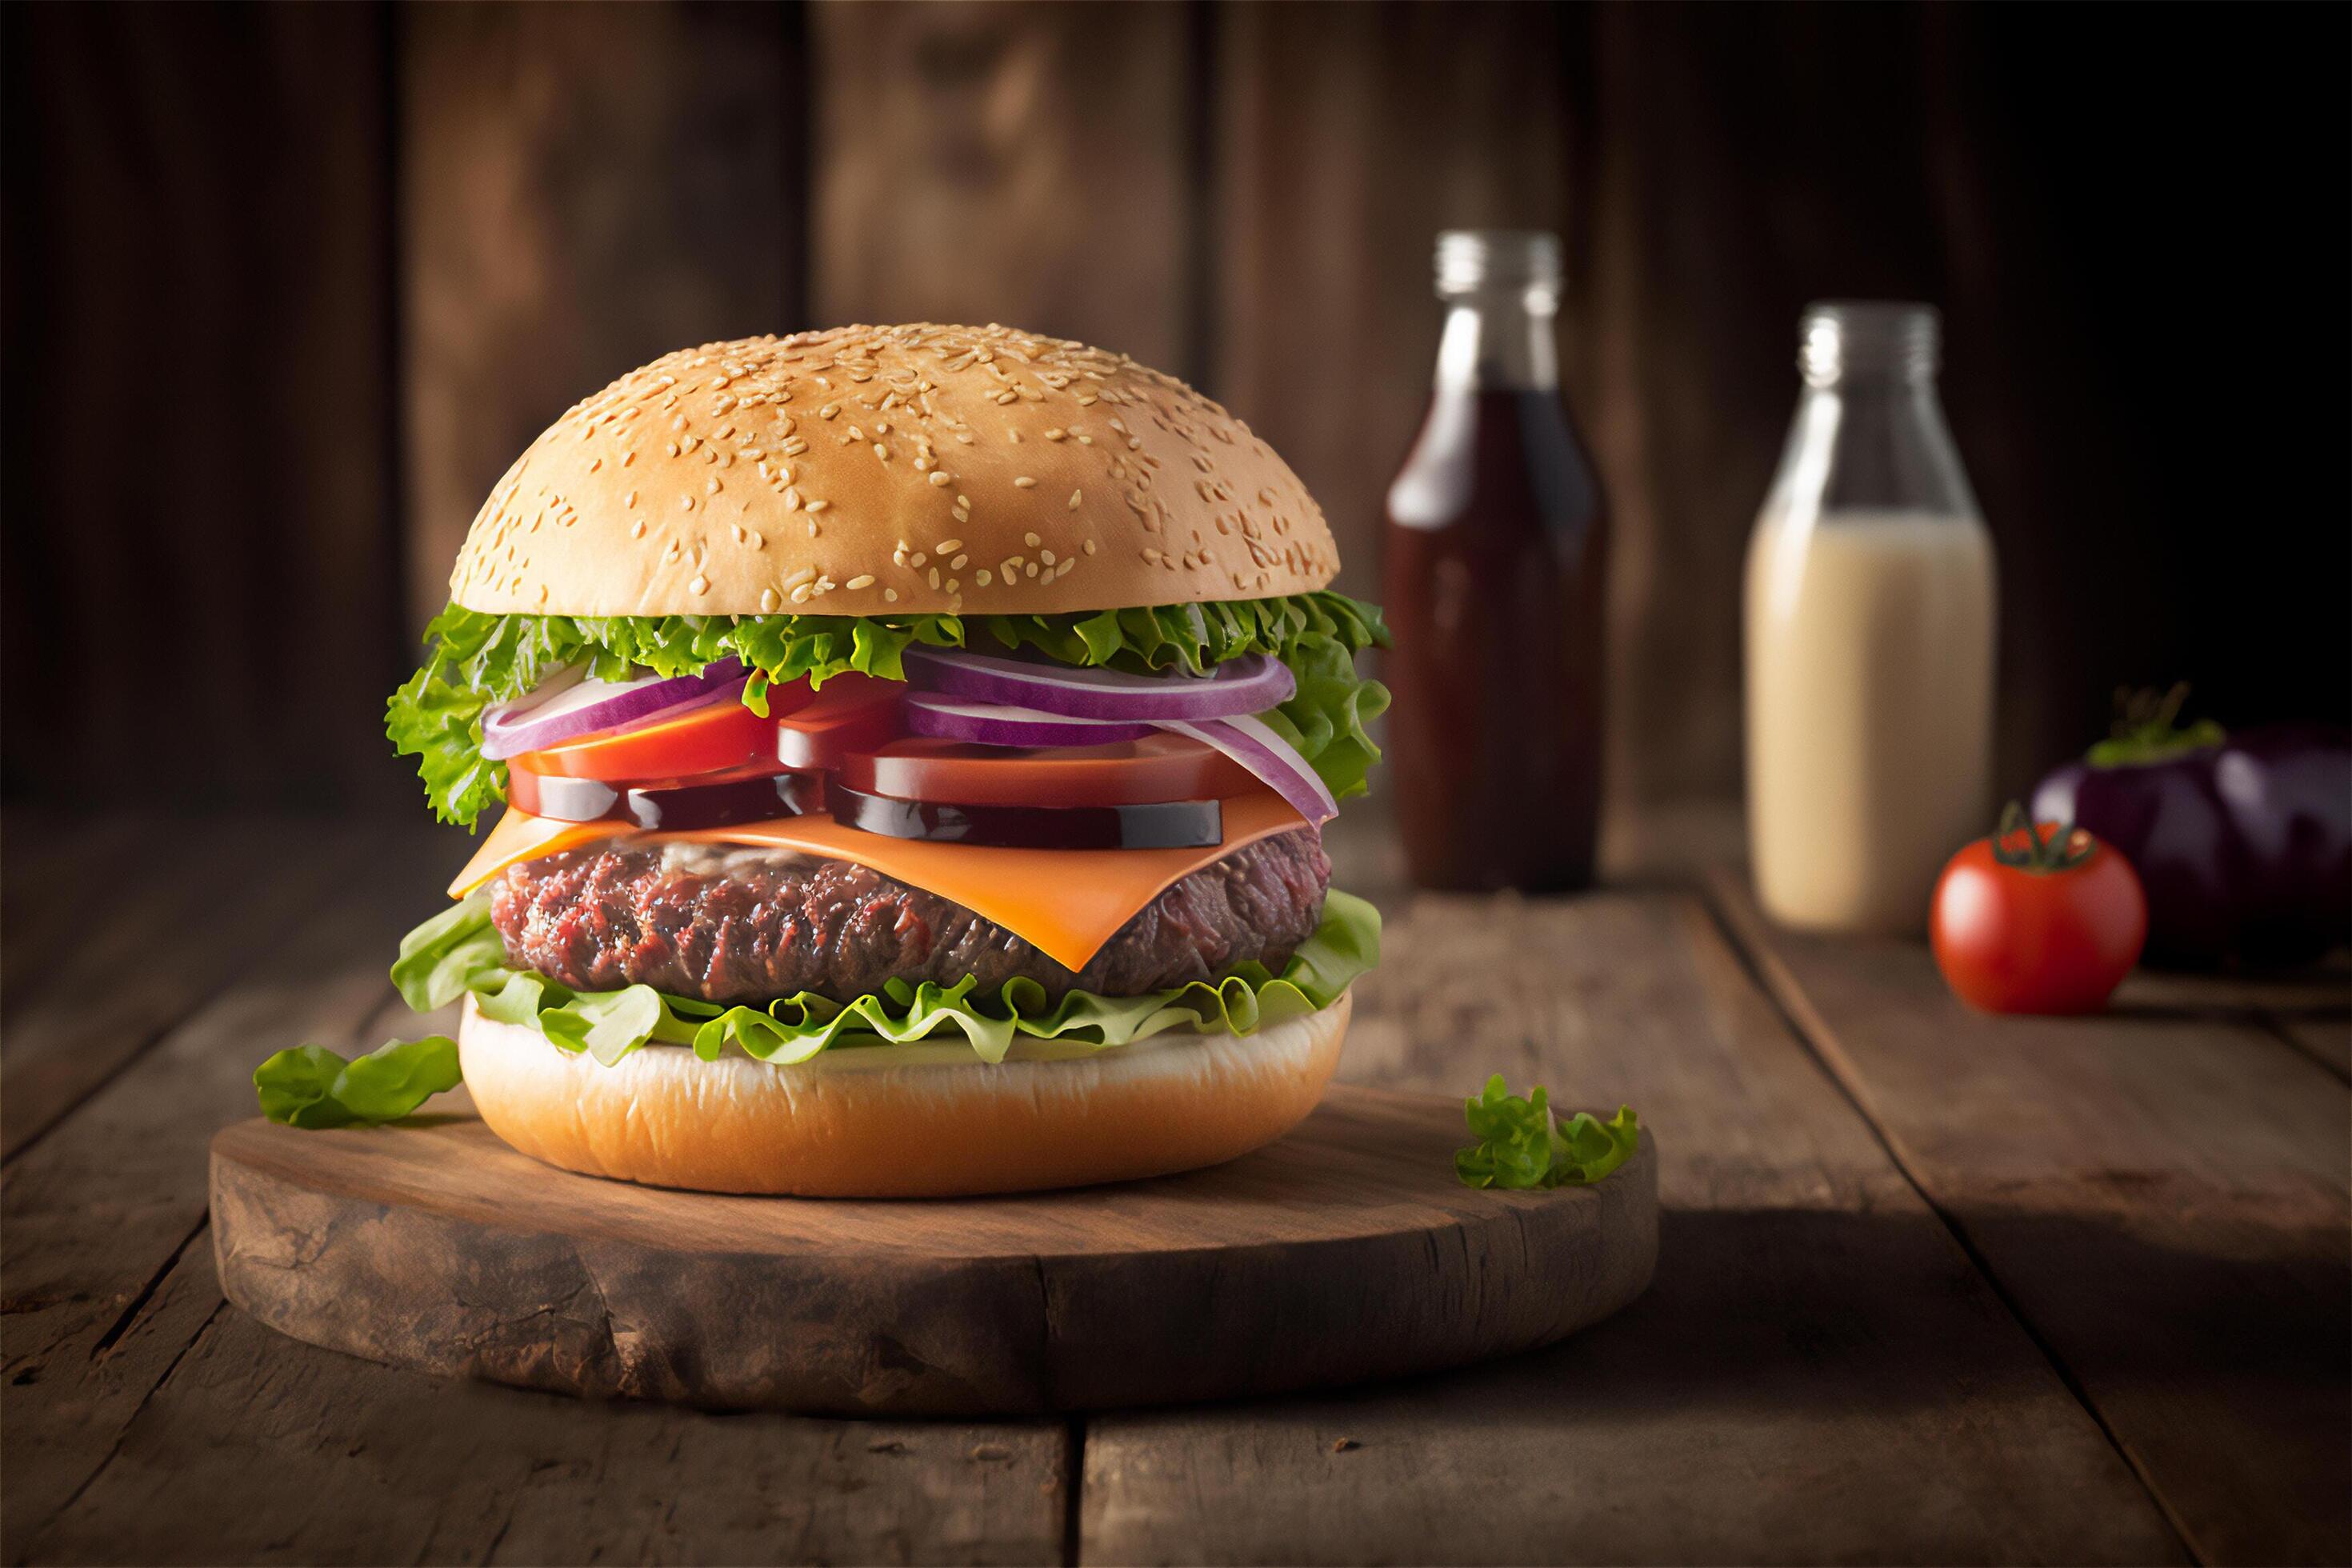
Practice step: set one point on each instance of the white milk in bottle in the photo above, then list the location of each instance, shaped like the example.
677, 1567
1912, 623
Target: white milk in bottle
1870, 619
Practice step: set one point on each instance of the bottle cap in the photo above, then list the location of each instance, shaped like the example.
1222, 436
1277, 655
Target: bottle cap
1841, 337
1473, 260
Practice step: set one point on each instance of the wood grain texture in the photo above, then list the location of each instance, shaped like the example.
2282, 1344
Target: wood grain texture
196, 464
103, 1218
258, 1450
1346, 137
1022, 164
1818, 1373
2325, 1040
2166, 1201
191, 906
583, 188
142, 1420
1344, 1251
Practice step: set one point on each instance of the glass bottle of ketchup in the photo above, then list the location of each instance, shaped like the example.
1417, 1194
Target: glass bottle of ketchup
1496, 591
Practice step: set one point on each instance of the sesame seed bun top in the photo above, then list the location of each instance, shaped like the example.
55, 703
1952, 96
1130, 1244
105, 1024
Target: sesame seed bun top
890, 470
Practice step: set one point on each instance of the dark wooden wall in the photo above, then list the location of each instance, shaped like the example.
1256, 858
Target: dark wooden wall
286, 287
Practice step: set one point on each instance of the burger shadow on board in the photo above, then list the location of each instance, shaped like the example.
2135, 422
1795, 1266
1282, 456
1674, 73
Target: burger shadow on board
1822, 1313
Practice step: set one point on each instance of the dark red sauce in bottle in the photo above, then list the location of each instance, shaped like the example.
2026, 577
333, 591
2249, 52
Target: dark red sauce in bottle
1496, 591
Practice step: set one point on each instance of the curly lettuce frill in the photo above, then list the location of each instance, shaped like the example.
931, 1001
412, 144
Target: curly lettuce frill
458, 952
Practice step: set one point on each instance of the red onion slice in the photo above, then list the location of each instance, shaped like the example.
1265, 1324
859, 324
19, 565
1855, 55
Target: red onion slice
1255, 745
534, 720
1251, 684
995, 725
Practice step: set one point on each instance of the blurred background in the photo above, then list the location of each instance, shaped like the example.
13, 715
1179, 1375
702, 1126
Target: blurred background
286, 287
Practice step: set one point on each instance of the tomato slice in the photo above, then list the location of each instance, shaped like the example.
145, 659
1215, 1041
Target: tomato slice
852, 713
1157, 769
717, 735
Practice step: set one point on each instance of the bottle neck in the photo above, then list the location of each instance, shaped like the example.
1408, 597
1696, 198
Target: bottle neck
1499, 341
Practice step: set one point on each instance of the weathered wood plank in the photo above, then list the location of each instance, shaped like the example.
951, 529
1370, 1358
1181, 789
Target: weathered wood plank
261, 1450
111, 1207
1022, 164
197, 292
204, 902
583, 188
1347, 136
1818, 1372
122, 1443
57, 871
2165, 1198
2325, 1040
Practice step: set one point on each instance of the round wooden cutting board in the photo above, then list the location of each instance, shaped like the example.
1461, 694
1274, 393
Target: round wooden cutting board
1343, 1252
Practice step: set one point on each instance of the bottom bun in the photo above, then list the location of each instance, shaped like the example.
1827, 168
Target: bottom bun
896, 1121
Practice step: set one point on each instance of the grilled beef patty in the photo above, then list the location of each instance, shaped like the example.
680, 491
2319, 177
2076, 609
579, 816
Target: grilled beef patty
731, 924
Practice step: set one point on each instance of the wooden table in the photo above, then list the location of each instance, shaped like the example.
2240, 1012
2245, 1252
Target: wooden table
1933, 1287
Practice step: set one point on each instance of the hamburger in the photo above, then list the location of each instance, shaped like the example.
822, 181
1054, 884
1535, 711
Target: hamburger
905, 751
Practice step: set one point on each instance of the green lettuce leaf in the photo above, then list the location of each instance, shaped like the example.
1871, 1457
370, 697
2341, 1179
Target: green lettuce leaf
312, 1086
476, 660
458, 952
1521, 1146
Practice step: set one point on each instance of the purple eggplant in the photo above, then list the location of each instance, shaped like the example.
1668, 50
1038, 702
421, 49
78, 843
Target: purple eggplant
2242, 843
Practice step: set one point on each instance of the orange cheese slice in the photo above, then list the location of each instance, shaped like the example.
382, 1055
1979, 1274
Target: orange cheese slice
1067, 902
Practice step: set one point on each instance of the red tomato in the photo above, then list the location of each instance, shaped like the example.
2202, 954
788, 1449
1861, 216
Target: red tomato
720, 735
1160, 769
852, 713
2029, 921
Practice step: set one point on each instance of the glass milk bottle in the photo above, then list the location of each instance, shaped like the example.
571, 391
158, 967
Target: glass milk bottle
1870, 621
1496, 585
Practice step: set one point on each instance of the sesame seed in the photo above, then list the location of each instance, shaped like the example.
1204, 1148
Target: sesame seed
863, 580
1031, 540
958, 563
1024, 483
1074, 496
1030, 569
934, 578
983, 577
1150, 557
828, 411
953, 585
768, 601
629, 500
711, 485
801, 594
1063, 569
1046, 556
701, 585
890, 596
686, 503
881, 451
638, 529
1090, 547
948, 546
1055, 435
817, 506
941, 477
916, 559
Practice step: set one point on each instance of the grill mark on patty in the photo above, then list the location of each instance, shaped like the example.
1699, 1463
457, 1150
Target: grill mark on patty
753, 925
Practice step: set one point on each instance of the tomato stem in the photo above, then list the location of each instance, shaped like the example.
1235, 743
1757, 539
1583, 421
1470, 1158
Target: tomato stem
2062, 850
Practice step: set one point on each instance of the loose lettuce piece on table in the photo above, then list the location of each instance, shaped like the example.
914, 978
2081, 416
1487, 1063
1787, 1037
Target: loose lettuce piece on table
1521, 1146
312, 1086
